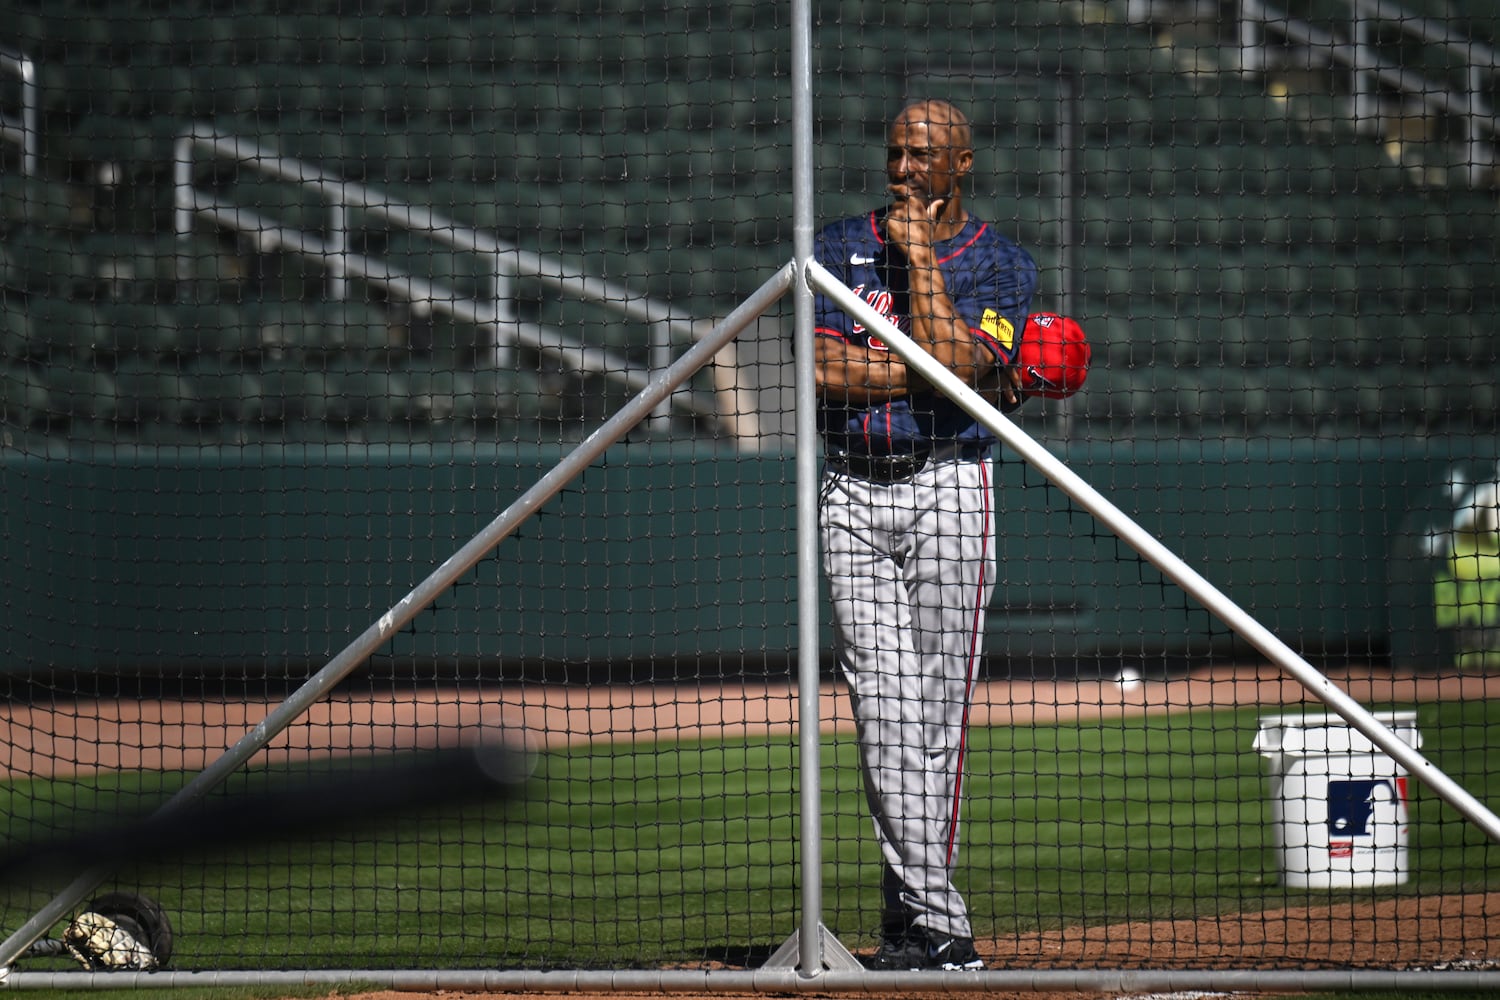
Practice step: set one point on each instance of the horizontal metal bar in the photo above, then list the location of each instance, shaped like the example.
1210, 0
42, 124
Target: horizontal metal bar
1102, 981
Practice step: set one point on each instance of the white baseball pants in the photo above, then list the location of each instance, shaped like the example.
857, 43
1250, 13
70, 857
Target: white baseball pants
911, 568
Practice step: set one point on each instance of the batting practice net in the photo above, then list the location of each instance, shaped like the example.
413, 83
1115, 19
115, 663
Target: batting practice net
420, 375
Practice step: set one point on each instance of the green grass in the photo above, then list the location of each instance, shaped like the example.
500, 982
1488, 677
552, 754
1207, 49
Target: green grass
644, 855
1161, 817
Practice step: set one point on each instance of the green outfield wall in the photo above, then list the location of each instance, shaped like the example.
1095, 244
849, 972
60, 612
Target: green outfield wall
274, 560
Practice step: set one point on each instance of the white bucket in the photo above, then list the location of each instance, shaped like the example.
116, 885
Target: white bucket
1339, 802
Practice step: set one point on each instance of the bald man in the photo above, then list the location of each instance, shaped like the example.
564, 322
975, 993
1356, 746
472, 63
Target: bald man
907, 518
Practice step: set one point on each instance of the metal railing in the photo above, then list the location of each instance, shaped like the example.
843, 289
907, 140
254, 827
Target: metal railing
728, 406
21, 129
1356, 51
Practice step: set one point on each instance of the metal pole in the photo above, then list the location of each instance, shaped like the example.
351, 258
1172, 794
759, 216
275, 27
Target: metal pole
505, 312
810, 942
31, 139
182, 206
1481, 153
1157, 554
1252, 58
338, 243
667, 982
388, 624
1361, 81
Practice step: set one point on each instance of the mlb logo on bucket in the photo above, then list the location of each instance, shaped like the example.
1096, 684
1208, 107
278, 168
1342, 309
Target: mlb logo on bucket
1341, 810
1354, 807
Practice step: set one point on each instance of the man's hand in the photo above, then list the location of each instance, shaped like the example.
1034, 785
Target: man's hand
911, 225
1001, 387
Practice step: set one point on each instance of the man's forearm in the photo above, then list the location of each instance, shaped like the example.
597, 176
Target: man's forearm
940, 331
858, 375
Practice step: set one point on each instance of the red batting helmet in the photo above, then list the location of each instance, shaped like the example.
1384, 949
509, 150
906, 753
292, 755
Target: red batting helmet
1054, 356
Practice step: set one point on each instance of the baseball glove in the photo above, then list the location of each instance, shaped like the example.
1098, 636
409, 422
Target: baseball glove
120, 932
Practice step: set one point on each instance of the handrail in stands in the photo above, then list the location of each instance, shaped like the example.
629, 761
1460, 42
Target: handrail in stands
728, 408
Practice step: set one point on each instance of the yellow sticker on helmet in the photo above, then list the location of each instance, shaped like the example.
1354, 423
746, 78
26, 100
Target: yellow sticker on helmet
999, 327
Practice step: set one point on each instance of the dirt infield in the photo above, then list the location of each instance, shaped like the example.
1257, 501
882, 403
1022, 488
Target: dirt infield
81, 738
1388, 933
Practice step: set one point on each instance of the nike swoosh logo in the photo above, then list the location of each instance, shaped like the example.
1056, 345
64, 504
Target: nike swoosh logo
857, 259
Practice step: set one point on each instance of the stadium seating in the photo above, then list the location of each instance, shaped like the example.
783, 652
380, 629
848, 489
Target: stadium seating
65, 332
225, 331
24, 402
137, 330
15, 329
153, 394
294, 396
357, 331
82, 399
48, 261
1216, 235
35, 200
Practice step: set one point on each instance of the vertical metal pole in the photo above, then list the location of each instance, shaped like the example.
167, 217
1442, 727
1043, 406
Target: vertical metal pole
338, 243
810, 942
1252, 58
31, 139
504, 294
182, 207
1481, 154
1361, 77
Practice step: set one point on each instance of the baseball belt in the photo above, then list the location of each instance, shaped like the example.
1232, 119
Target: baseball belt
879, 468
899, 468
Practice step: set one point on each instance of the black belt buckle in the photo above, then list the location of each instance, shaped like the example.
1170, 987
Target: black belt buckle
879, 468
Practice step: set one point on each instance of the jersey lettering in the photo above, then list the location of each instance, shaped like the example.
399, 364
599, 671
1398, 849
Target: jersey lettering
884, 303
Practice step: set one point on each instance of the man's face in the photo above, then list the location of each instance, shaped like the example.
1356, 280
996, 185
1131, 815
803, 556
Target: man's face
922, 162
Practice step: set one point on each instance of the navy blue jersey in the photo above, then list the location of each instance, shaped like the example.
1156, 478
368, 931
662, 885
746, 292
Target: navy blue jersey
990, 280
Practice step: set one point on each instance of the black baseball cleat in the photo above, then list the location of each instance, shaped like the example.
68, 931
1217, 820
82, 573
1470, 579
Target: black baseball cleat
920, 949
